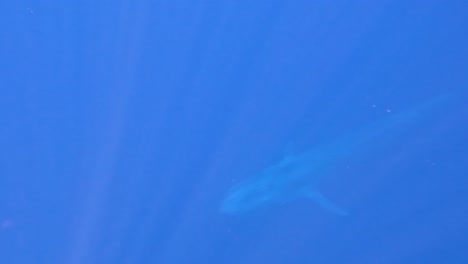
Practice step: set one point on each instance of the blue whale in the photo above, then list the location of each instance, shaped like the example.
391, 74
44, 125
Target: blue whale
298, 175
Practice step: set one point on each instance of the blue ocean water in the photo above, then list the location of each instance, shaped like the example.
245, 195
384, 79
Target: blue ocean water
126, 125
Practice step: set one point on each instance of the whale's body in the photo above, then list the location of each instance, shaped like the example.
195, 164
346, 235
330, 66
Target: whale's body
298, 175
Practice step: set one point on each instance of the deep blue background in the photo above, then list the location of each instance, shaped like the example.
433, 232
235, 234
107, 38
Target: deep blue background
124, 123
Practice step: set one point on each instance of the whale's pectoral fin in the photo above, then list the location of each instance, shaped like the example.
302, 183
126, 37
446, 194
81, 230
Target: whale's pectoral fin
324, 202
